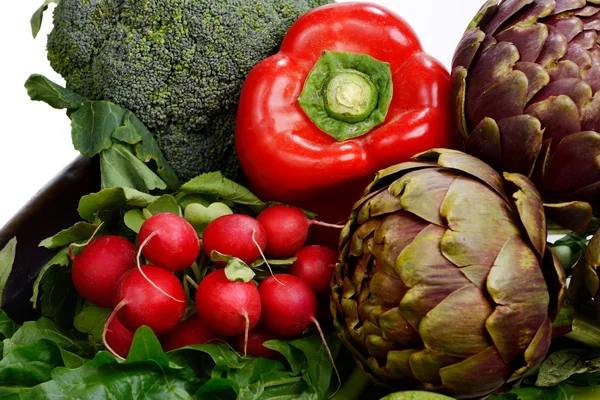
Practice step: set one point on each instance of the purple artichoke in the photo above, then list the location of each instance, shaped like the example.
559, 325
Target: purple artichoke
525, 82
445, 282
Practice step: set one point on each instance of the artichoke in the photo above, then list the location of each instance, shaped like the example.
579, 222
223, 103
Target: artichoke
525, 81
444, 281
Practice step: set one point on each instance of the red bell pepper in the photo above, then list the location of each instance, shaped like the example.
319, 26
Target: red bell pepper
289, 158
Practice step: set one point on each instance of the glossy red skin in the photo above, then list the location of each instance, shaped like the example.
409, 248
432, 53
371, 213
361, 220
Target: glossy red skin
99, 266
191, 331
175, 246
315, 265
221, 304
289, 159
119, 338
288, 304
256, 338
286, 228
232, 235
145, 304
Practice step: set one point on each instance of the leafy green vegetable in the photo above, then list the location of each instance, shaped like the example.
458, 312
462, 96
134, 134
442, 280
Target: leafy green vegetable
91, 319
80, 231
110, 199
7, 258
61, 258
129, 155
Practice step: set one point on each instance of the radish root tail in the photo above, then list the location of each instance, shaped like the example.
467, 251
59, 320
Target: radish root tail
139, 267
337, 373
246, 333
265, 258
325, 224
112, 315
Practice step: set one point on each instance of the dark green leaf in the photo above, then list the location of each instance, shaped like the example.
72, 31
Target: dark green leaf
561, 392
78, 232
7, 326
105, 378
218, 389
147, 150
216, 185
93, 124
146, 347
110, 199
7, 258
165, 203
59, 299
32, 363
185, 200
44, 328
120, 168
41, 88
61, 258
91, 319
36, 18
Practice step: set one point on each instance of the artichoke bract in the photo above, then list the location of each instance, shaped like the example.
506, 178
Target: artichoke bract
444, 281
525, 81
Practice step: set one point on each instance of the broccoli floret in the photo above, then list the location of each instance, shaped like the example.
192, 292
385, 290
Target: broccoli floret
177, 64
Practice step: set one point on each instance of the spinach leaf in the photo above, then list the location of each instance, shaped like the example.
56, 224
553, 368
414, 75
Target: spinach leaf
61, 258
7, 258
7, 326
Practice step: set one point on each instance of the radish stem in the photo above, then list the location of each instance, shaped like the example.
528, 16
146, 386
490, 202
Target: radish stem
191, 281
321, 223
71, 255
264, 258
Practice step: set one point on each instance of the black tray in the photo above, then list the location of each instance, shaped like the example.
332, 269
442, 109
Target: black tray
53, 208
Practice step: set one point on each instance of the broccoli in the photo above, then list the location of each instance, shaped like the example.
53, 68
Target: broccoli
177, 64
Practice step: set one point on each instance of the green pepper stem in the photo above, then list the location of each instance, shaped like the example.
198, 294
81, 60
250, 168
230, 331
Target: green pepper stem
350, 96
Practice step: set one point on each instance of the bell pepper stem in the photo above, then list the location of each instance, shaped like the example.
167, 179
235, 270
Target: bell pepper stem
355, 386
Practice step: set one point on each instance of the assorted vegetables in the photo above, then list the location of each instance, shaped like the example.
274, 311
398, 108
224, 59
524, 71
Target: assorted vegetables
442, 282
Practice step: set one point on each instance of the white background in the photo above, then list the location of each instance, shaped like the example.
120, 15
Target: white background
35, 140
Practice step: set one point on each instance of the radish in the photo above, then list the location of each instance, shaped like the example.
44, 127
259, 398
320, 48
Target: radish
289, 306
150, 296
116, 337
191, 331
99, 266
286, 228
256, 338
315, 265
169, 241
229, 308
235, 235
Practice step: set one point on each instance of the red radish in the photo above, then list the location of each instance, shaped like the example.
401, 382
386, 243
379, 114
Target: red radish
229, 308
315, 265
256, 338
116, 337
173, 243
99, 266
158, 302
235, 235
289, 306
287, 229
191, 331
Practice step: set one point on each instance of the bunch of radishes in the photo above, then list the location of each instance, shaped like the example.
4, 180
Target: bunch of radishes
229, 302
